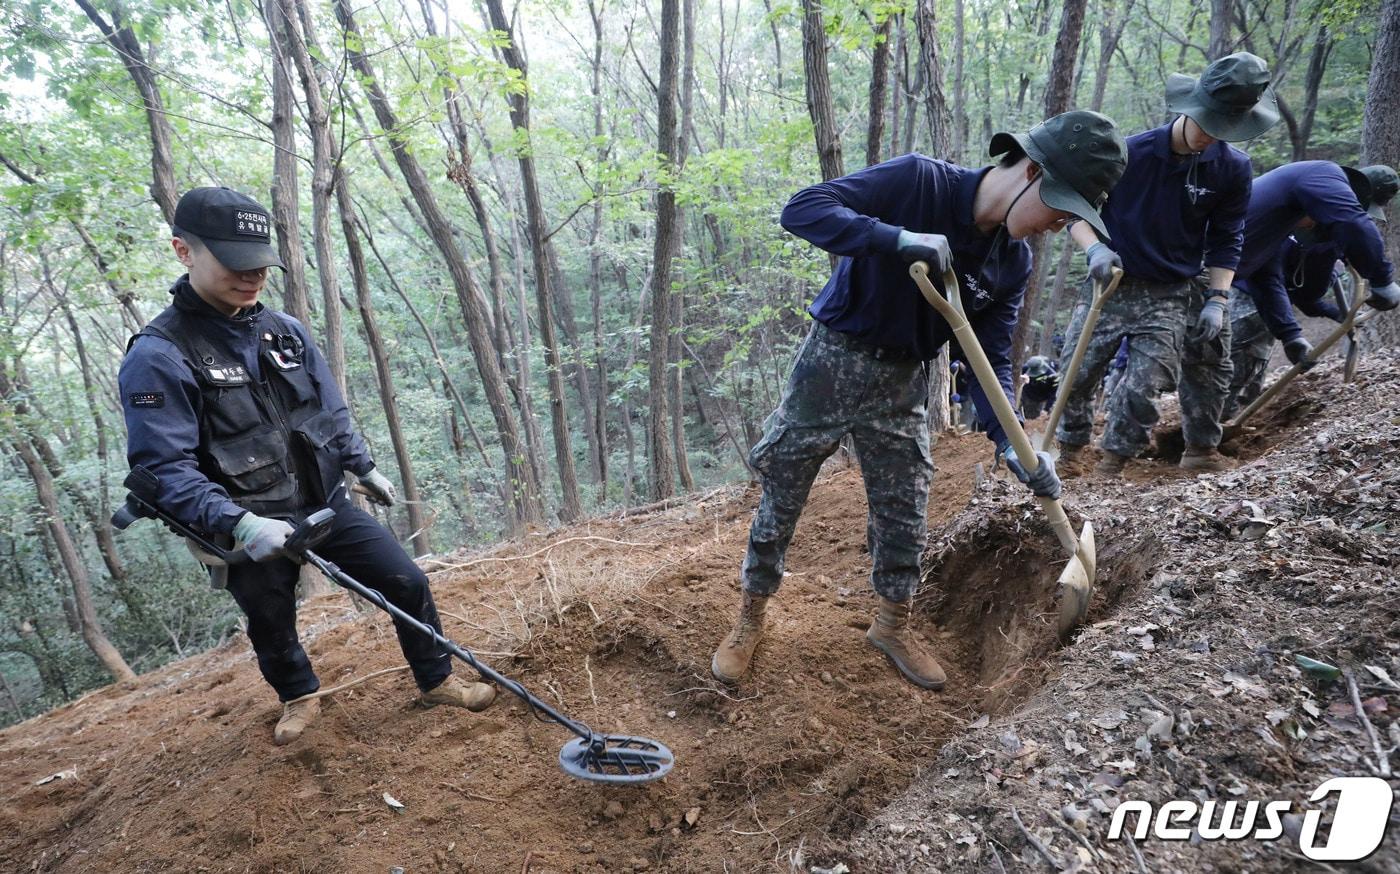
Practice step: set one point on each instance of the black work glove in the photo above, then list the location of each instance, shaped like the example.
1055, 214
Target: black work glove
1384, 297
1209, 321
1102, 260
932, 248
1043, 483
1299, 350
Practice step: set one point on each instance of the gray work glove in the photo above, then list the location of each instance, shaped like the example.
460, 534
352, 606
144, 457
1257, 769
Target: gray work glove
1384, 297
262, 538
932, 248
1209, 321
1043, 483
1102, 260
1299, 349
379, 489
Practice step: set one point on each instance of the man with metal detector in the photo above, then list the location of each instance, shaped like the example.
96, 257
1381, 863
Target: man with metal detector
234, 411
863, 368
1303, 218
1180, 208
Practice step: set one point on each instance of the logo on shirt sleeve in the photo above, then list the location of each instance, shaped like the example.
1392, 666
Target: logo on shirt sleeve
151, 400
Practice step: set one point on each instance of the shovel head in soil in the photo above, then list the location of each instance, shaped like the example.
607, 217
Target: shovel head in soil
1076, 583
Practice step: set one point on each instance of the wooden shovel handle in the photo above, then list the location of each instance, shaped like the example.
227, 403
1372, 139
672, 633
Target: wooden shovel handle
1081, 345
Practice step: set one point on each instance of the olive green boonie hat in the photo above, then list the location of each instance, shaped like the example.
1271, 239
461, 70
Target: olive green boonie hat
1081, 156
1232, 101
1385, 184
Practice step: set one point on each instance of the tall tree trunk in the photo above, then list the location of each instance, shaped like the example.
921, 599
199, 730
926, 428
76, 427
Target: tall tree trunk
123, 40
661, 474
324, 167
819, 104
84, 611
879, 88
959, 81
525, 490
1317, 66
1380, 136
675, 339
1221, 15
385, 376
595, 255
1059, 95
926, 22
285, 188
519, 101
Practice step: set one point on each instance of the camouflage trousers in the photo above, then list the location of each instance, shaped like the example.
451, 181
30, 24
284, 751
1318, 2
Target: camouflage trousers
1251, 346
1155, 317
840, 387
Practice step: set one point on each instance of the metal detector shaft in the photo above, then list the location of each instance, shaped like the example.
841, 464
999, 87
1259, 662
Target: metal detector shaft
1354, 319
1086, 332
341, 578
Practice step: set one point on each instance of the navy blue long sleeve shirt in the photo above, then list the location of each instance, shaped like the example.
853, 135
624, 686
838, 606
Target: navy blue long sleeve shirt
1171, 213
870, 294
1303, 275
164, 439
1284, 196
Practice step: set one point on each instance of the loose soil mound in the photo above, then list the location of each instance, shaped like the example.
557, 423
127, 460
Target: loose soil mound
614, 622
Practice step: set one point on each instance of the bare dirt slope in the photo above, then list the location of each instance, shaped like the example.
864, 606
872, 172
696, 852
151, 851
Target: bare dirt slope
824, 757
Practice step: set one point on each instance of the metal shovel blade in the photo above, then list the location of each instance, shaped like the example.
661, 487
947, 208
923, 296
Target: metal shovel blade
1076, 586
616, 758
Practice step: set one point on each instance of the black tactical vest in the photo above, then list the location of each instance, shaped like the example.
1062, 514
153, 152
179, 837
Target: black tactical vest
269, 443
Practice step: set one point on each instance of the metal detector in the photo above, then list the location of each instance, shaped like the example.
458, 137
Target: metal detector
602, 758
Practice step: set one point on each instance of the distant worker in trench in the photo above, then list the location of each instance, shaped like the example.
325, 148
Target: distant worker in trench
863, 368
1177, 221
231, 405
1303, 218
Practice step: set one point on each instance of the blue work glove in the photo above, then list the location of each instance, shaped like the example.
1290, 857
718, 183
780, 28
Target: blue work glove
262, 538
932, 248
1384, 297
378, 488
1102, 260
1299, 349
1209, 321
1043, 483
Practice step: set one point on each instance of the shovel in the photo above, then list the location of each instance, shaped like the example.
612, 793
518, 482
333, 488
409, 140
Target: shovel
1076, 584
601, 758
1354, 319
1353, 349
1101, 294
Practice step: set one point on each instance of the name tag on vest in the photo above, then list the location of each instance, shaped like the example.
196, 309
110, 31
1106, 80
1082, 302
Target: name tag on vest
227, 374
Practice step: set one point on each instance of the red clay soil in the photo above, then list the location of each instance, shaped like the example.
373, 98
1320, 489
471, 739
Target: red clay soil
614, 621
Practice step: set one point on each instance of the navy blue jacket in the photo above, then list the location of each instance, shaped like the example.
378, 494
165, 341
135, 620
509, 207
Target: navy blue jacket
1305, 278
871, 296
161, 400
1283, 197
1168, 210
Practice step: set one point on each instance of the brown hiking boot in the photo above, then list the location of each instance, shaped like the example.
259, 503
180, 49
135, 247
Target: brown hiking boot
1204, 459
1073, 460
454, 693
890, 633
1111, 465
735, 652
297, 714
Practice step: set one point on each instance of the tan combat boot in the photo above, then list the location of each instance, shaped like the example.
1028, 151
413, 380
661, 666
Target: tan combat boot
455, 693
890, 633
1073, 460
297, 714
1111, 465
735, 652
1204, 459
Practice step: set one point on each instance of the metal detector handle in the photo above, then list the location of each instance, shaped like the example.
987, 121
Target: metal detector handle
1354, 319
141, 504
952, 312
1086, 332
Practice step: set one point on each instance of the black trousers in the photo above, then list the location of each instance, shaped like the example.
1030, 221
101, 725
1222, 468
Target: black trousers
364, 549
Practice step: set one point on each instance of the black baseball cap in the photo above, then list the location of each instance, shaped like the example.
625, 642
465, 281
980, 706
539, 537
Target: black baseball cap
234, 226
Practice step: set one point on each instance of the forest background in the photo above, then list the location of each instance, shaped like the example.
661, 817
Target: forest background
539, 243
